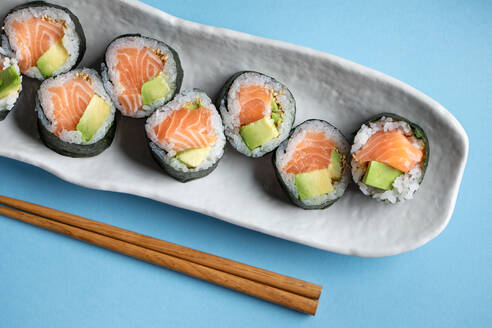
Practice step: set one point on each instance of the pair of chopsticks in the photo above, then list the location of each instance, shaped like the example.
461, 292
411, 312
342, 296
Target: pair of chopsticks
280, 289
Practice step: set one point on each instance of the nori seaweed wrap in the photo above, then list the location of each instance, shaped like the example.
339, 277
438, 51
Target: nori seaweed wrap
46, 39
389, 158
186, 136
140, 74
258, 112
76, 116
311, 165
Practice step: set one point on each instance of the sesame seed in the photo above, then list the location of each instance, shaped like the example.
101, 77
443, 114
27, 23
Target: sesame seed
83, 76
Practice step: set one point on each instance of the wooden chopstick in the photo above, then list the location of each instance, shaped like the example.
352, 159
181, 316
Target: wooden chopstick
266, 277
251, 280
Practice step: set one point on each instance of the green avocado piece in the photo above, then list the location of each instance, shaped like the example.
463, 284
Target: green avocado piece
276, 112
9, 81
193, 157
257, 133
94, 115
191, 105
52, 59
335, 166
380, 175
277, 118
154, 89
314, 183
274, 105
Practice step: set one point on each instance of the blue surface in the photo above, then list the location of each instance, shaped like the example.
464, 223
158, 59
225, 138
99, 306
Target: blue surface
442, 48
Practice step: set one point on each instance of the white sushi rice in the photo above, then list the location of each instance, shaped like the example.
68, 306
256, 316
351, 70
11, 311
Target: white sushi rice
48, 107
217, 149
7, 103
70, 40
230, 115
111, 78
406, 184
286, 149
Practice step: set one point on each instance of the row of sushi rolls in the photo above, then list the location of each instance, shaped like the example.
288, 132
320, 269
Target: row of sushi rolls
187, 131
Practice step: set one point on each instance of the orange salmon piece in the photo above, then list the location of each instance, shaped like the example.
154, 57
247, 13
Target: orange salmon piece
135, 67
311, 154
69, 103
187, 129
255, 103
34, 36
391, 148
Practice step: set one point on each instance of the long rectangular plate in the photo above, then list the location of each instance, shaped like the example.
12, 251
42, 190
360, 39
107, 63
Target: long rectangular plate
244, 191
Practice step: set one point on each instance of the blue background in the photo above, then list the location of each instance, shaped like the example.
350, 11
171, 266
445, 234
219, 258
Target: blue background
442, 48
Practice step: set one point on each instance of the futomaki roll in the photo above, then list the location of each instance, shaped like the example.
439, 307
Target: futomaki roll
10, 83
258, 112
76, 116
45, 39
311, 165
141, 74
186, 136
389, 158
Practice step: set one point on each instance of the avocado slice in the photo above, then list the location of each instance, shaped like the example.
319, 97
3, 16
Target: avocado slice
274, 105
380, 175
52, 59
94, 115
335, 166
277, 118
257, 133
314, 183
191, 105
276, 112
154, 89
9, 81
193, 157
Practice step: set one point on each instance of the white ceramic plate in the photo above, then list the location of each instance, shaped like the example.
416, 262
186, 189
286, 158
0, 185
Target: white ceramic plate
244, 191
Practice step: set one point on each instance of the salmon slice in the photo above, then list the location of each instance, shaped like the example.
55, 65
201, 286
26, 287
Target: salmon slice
135, 67
187, 129
69, 102
311, 154
255, 103
33, 37
391, 148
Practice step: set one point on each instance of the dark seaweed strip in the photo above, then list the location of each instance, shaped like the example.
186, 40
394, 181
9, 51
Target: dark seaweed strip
3, 114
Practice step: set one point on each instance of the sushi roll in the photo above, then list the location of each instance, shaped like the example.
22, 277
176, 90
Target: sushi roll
258, 112
140, 74
389, 158
45, 39
186, 136
312, 166
76, 116
10, 83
